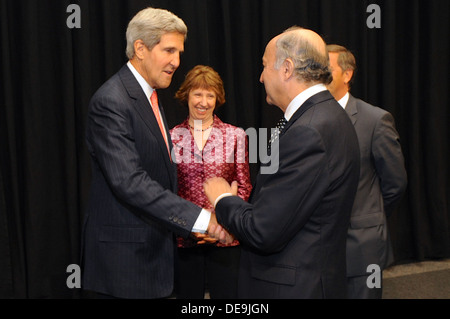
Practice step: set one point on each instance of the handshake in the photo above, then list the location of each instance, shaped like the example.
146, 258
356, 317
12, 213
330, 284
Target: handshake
214, 187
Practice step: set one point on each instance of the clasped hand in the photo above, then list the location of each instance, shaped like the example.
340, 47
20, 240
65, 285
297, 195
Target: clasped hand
215, 233
214, 187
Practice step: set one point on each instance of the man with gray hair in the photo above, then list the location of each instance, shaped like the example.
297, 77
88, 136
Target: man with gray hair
294, 228
133, 212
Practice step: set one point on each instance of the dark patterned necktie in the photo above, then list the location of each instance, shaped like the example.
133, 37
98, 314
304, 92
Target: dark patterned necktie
276, 133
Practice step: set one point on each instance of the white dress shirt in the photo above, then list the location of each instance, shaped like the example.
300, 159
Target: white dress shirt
301, 98
343, 102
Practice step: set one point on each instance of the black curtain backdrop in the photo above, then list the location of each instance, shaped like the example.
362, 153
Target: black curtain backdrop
49, 72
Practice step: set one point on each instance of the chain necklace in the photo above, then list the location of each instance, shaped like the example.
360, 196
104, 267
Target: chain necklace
202, 130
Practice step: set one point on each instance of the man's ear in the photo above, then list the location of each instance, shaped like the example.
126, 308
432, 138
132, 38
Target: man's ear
288, 68
139, 48
347, 76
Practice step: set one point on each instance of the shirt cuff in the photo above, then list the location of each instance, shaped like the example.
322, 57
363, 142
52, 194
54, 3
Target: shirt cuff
202, 222
220, 197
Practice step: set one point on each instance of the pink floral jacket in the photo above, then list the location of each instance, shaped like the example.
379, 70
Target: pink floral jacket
225, 154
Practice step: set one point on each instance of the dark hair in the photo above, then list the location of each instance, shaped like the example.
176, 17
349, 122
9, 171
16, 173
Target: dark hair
346, 59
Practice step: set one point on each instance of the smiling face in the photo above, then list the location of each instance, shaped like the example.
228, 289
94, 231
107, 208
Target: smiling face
202, 103
159, 64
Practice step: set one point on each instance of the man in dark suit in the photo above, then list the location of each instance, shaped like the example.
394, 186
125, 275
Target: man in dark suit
382, 181
294, 228
133, 212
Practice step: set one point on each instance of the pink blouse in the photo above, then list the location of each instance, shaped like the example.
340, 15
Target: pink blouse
225, 154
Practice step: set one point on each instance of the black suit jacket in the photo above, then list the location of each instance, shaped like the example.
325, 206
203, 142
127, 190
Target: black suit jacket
128, 240
382, 183
294, 228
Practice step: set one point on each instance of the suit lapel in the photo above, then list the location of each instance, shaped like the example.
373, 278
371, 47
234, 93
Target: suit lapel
313, 100
351, 109
144, 109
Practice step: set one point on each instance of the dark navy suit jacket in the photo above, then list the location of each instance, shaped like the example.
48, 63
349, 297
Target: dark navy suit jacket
294, 229
133, 212
382, 183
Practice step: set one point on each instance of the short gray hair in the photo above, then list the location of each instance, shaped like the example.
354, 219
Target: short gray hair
149, 25
310, 65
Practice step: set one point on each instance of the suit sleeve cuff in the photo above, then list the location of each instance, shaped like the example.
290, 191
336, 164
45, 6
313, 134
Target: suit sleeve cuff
202, 222
220, 197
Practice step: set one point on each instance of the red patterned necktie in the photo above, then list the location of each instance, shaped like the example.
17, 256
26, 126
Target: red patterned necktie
155, 107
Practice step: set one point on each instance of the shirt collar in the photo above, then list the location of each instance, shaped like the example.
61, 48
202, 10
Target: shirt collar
301, 98
343, 102
148, 90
